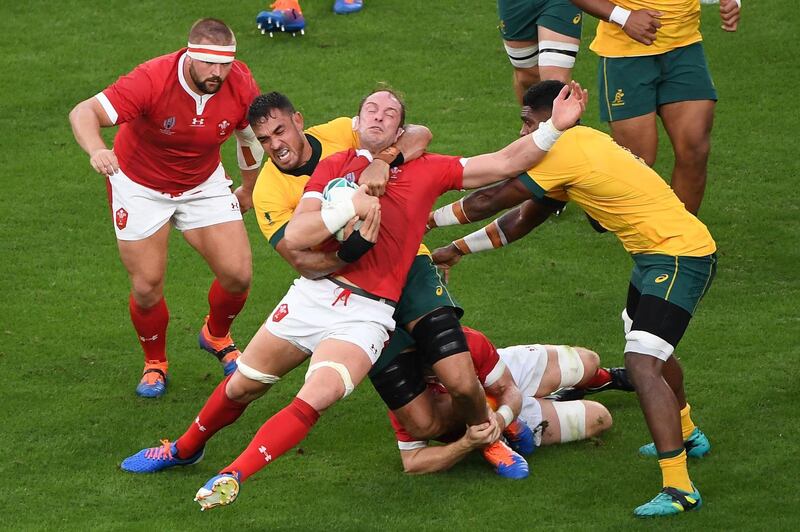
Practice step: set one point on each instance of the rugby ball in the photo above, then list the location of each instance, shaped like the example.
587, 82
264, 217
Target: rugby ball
338, 190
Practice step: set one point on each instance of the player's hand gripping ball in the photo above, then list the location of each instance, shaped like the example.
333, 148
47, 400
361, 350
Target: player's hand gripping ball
336, 191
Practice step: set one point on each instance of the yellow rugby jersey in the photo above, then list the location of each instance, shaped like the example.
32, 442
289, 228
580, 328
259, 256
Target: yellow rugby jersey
277, 193
680, 26
621, 192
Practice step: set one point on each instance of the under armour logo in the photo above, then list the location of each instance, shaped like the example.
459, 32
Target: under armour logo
199, 426
267, 456
151, 339
198, 122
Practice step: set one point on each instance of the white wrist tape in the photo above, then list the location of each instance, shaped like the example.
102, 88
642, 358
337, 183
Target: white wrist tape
336, 215
619, 15
489, 237
546, 135
450, 214
506, 413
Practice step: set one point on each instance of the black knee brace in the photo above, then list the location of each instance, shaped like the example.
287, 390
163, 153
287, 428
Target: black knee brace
439, 335
401, 381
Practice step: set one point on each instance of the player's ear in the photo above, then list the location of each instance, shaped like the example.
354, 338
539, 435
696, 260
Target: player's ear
400, 132
298, 120
355, 123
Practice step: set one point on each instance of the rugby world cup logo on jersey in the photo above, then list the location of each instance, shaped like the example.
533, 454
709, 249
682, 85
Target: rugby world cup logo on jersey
167, 125
223, 127
350, 177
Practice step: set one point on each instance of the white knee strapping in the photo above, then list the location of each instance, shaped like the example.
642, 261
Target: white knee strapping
569, 361
557, 54
341, 369
572, 418
646, 343
255, 375
627, 322
527, 57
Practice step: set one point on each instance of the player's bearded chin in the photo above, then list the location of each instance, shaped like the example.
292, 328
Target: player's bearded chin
202, 84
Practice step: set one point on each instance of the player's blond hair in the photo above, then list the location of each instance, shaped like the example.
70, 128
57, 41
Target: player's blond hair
212, 30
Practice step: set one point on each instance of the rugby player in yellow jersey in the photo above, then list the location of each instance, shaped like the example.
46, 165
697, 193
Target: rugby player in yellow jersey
425, 306
674, 264
652, 63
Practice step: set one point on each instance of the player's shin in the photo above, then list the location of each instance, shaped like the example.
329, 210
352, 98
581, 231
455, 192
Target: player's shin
280, 433
224, 306
151, 328
218, 412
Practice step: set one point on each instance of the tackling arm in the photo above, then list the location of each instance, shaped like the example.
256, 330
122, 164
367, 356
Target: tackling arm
249, 154
442, 457
480, 204
507, 395
524, 153
308, 263
411, 144
512, 226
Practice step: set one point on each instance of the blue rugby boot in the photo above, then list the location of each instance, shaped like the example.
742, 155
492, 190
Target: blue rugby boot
696, 445
506, 462
218, 491
520, 437
155, 459
154, 380
670, 501
345, 7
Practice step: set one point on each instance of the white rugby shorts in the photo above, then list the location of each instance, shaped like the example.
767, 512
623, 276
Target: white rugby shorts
313, 311
531, 414
527, 364
138, 211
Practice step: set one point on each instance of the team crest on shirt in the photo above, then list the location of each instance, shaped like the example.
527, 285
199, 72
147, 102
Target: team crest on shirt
280, 312
167, 125
223, 127
394, 172
121, 218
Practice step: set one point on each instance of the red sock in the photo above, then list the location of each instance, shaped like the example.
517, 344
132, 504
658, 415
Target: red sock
601, 377
280, 433
224, 307
218, 412
151, 328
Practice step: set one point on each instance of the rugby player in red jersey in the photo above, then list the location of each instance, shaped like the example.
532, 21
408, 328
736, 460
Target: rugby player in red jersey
174, 112
516, 380
342, 321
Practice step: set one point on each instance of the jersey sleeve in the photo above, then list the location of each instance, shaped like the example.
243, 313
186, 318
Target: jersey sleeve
405, 441
338, 131
274, 208
249, 92
561, 167
487, 361
448, 169
129, 97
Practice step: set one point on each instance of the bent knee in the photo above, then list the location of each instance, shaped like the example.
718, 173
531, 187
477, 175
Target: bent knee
238, 280
598, 418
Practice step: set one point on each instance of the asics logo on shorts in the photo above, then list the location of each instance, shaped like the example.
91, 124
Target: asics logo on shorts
663, 277
280, 312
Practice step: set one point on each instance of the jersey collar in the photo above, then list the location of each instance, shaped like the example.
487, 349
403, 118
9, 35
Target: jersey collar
364, 153
200, 101
309, 167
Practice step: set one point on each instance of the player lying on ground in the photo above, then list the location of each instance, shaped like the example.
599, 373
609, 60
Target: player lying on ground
515, 379
674, 264
343, 321
174, 112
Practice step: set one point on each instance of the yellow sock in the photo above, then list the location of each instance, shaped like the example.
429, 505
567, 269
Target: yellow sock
687, 425
674, 473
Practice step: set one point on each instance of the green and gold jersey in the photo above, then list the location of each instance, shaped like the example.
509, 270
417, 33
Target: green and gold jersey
620, 191
277, 193
680, 26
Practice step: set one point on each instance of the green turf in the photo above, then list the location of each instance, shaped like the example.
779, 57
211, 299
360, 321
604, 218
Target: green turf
69, 359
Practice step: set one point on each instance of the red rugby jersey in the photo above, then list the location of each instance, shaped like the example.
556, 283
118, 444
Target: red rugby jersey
410, 194
169, 137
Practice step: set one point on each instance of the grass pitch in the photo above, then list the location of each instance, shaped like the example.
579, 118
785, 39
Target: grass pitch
70, 361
